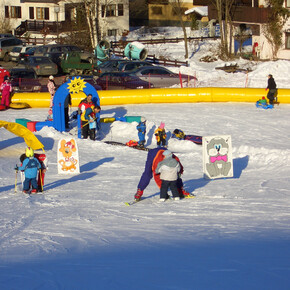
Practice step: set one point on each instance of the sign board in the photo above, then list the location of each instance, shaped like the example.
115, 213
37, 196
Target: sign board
68, 156
217, 156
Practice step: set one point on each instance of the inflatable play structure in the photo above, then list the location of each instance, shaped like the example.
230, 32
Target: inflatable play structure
145, 96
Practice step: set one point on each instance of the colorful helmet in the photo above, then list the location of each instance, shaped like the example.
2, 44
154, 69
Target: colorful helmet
179, 134
29, 152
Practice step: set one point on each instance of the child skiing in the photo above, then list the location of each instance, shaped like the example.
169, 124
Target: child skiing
160, 135
141, 127
30, 167
169, 169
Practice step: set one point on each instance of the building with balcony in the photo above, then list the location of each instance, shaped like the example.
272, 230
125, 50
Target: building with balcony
249, 18
32, 16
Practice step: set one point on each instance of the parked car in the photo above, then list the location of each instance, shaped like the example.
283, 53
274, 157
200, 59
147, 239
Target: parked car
160, 77
130, 65
29, 52
121, 81
2, 35
56, 51
108, 66
6, 45
18, 52
24, 80
42, 65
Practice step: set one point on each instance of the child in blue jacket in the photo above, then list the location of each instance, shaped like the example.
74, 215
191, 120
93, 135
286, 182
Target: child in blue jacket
30, 166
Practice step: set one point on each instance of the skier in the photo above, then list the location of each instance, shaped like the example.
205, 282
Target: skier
30, 167
141, 127
160, 135
153, 158
6, 90
169, 169
41, 174
272, 87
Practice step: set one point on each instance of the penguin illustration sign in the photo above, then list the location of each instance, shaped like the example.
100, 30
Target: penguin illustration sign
217, 156
72, 86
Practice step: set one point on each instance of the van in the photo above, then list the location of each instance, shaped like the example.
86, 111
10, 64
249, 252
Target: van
6, 45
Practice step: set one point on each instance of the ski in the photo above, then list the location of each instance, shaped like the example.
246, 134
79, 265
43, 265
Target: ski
190, 196
132, 202
122, 144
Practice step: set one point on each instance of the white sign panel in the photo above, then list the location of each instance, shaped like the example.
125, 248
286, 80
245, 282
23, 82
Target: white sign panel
68, 156
217, 156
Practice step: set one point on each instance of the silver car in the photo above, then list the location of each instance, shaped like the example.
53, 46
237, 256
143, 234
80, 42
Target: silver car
6, 45
42, 65
161, 77
18, 52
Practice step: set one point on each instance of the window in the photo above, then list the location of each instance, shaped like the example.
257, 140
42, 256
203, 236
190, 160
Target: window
42, 13
288, 3
12, 12
287, 40
108, 10
156, 10
31, 13
112, 32
120, 9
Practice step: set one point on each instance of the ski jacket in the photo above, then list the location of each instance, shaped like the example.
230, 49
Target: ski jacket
6, 88
51, 87
141, 127
271, 84
160, 134
84, 104
168, 168
153, 158
87, 113
30, 167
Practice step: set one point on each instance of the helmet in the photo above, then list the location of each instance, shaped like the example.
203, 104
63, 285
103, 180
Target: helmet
179, 134
51, 77
29, 152
143, 119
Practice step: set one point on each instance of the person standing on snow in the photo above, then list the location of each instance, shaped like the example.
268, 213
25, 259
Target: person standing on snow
30, 167
6, 89
89, 122
160, 135
168, 169
51, 86
153, 158
141, 127
272, 87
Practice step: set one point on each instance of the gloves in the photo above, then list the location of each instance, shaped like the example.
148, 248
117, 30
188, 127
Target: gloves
138, 194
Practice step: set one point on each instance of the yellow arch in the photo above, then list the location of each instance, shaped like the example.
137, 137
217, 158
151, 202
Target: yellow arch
172, 95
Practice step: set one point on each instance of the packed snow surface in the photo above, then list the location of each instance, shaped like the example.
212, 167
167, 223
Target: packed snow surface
79, 234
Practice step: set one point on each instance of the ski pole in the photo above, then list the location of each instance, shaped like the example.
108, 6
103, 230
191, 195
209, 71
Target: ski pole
40, 176
16, 171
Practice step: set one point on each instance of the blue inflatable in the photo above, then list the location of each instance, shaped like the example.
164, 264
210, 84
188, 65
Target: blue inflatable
264, 106
72, 86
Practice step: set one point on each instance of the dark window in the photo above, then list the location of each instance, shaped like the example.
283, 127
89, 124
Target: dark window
31, 13
287, 40
156, 10
112, 32
120, 9
109, 10
6, 12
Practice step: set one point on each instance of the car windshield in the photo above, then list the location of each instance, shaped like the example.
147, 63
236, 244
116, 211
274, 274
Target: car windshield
16, 49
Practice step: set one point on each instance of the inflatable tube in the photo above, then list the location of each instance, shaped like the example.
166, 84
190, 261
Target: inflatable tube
171, 95
19, 106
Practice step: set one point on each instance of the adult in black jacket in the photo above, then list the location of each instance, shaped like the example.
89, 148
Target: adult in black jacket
272, 89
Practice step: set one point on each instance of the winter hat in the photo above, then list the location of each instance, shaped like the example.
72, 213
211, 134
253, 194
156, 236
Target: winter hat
50, 111
162, 125
51, 78
143, 119
29, 152
167, 153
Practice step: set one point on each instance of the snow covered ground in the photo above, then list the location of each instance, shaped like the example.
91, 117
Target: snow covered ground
80, 235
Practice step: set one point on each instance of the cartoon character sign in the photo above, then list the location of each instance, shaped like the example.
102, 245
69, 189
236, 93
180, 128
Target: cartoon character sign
68, 159
217, 156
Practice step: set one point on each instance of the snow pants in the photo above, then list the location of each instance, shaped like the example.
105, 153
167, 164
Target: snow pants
5, 99
28, 181
169, 184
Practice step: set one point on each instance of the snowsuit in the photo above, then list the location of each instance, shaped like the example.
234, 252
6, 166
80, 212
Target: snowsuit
272, 89
41, 174
88, 127
67, 103
6, 89
160, 136
30, 167
153, 158
51, 86
169, 169
141, 127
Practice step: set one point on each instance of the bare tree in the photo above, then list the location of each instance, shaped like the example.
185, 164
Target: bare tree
177, 7
224, 14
